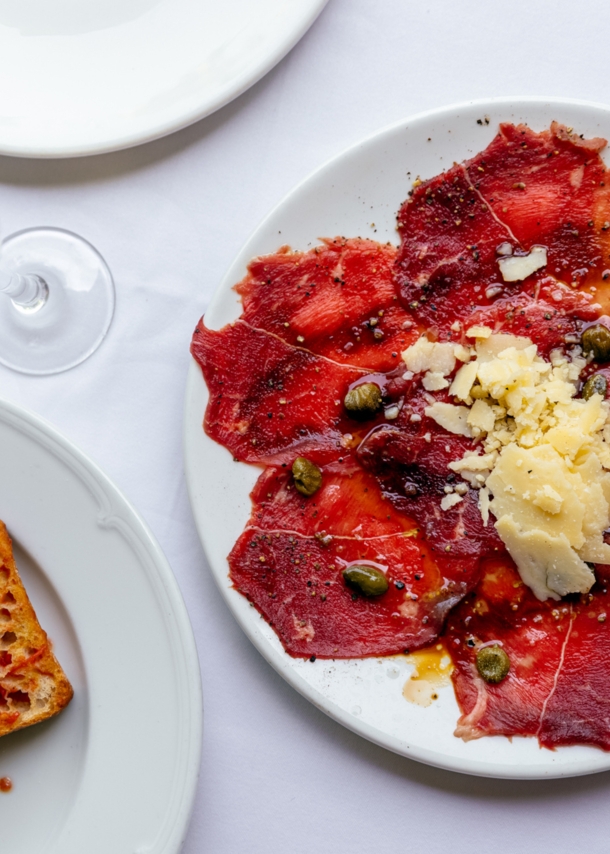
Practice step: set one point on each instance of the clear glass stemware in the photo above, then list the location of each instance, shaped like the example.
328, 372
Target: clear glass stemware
56, 300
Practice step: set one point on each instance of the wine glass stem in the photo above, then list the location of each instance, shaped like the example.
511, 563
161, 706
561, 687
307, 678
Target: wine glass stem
28, 292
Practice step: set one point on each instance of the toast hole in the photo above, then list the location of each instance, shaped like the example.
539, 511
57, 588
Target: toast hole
8, 638
5, 615
5, 658
20, 700
8, 598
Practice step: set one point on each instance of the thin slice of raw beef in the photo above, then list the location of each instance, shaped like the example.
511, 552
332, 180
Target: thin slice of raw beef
447, 263
557, 688
557, 315
578, 710
409, 457
551, 189
525, 189
270, 401
289, 564
337, 300
349, 503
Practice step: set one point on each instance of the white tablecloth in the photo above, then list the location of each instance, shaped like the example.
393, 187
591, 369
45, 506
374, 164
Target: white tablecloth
278, 776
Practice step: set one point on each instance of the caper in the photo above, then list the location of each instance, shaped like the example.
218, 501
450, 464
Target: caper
363, 401
596, 384
367, 580
493, 664
307, 476
477, 391
596, 340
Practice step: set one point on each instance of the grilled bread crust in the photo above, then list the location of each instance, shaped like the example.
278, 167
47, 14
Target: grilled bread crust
33, 687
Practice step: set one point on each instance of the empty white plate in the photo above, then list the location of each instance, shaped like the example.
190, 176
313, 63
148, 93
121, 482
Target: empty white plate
86, 76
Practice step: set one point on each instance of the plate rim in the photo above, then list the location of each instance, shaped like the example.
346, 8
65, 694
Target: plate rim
195, 387
227, 93
172, 829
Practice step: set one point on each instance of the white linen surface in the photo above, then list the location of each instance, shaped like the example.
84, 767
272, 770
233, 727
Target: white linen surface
278, 776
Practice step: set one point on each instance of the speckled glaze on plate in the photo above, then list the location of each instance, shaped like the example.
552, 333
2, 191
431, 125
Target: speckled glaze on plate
365, 185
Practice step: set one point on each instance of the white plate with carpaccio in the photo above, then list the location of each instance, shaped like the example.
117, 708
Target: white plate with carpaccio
350, 381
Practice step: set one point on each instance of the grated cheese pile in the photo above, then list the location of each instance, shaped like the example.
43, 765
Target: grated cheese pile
542, 467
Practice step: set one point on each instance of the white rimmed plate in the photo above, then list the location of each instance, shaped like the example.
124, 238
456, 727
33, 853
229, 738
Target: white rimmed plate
117, 769
87, 76
365, 185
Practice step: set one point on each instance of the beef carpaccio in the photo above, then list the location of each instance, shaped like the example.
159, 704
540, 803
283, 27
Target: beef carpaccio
365, 539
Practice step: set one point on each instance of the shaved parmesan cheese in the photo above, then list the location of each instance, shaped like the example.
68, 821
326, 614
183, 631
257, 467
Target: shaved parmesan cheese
541, 466
547, 564
543, 463
464, 380
484, 505
495, 344
478, 332
548, 499
515, 268
481, 417
434, 381
463, 354
474, 462
430, 356
452, 418
450, 501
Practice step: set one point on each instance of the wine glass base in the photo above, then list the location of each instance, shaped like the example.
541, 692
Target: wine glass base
72, 322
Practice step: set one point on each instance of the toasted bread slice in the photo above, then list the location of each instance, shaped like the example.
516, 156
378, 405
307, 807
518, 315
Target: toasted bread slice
33, 687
